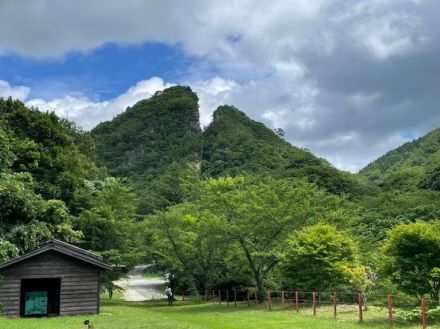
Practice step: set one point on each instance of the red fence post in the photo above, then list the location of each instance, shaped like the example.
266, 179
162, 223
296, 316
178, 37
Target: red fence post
314, 302
235, 298
423, 306
282, 300
360, 304
269, 300
390, 310
227, 297
297, 301
334, 305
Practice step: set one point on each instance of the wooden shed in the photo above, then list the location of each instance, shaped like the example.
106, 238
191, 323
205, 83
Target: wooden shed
55, 279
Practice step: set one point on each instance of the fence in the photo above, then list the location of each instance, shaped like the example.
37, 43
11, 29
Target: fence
395, 310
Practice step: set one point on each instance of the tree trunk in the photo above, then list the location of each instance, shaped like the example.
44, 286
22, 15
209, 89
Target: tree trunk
259, 280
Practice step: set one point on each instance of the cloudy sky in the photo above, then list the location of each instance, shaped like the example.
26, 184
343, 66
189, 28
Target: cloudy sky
347, 79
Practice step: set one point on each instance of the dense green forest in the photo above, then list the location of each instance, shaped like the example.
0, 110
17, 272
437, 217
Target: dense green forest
233, 206
414, 165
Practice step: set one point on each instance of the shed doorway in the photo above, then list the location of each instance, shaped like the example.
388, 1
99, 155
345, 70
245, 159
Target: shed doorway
40, 297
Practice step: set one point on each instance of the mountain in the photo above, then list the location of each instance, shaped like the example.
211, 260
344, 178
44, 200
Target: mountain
155, 132
154, 136
413, 165
153, 142
235, 144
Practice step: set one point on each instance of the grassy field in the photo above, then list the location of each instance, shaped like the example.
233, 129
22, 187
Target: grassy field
152, 276
118, 314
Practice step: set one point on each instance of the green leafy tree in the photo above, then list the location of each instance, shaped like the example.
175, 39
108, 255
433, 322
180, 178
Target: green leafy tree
7, 251
109, 218
413, 258
56, 153
259, 214
26, 219
186, 244
6, 155
320, 258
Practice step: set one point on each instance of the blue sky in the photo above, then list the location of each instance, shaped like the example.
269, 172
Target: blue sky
347, 79
100, 74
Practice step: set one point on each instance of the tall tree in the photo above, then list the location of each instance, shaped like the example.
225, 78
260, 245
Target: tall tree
259, 214
318, 257
187, 244
413, 258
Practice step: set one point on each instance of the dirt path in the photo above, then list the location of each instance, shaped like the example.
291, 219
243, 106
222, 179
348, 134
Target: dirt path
137, 288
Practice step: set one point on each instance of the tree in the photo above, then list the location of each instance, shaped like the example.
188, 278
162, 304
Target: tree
7, 250
186, 244
259, 214
6, 156
109, 217
53, 151
26, 219
319, 258
413, 258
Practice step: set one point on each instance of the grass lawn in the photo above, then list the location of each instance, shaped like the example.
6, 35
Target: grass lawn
152, 276
119, 314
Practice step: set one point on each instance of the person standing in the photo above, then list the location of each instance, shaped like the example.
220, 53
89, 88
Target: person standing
169, 294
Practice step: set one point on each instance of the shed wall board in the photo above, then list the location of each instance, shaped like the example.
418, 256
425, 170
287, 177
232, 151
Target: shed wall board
79, 292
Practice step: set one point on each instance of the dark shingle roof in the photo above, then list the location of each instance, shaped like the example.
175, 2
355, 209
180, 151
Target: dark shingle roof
63, 248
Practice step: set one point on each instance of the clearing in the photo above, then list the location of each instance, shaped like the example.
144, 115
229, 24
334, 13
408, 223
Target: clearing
120, 314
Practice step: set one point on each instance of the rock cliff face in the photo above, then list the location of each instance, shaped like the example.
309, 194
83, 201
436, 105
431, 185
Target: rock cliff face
152, 134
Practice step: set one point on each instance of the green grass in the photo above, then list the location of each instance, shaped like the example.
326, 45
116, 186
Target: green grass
118, 314
152, 276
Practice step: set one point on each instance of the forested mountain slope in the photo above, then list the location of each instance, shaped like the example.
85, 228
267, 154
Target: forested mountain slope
413, 165
146, 138
234, 144
152, 142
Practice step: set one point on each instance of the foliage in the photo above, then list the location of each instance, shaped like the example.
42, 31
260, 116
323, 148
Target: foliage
413, 262
7, 251
6, 156
321, 258
122, 262
45, 146
142, 142
413, 165
233, 144
188, 246
109, 218
26, 218
245, 220
46, 177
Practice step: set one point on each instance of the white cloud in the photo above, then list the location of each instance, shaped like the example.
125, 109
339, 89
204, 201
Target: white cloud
213, 93
244, 30
16, 92
324, 70
88, 113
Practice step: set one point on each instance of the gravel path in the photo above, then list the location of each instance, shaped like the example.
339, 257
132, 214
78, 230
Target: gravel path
137, 288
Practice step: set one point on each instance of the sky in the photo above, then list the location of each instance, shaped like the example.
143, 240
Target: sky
348, 80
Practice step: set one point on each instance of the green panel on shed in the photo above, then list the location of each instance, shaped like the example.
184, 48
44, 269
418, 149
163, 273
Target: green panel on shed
35, 303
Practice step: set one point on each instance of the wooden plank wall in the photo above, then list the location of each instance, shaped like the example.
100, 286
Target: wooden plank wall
79, 283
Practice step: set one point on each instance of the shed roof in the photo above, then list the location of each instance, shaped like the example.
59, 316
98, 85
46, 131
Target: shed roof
63, 248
